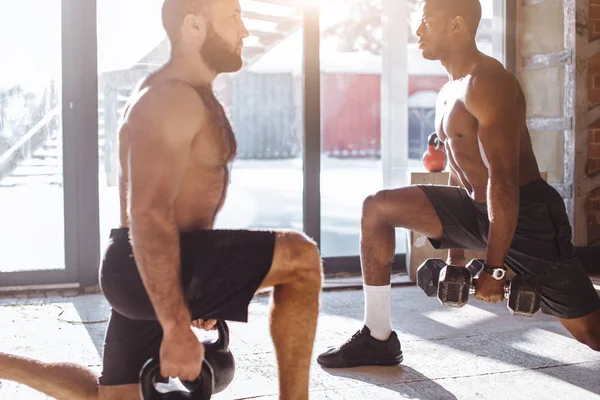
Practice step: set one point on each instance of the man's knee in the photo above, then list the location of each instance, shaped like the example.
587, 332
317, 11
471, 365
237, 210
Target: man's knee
586, 329
302, 257
387, 205
590, 336
373, 203
591, 339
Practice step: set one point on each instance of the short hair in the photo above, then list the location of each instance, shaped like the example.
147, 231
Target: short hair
175, 11
469, 10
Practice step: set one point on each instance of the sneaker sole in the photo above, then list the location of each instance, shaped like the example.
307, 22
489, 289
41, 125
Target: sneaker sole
379, 362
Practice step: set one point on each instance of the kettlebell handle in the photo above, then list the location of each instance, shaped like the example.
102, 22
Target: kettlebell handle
201, 389
223, 340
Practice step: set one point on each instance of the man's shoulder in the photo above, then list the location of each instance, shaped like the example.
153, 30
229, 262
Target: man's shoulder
491, 89
491, 75
490, 85
165, 100
171, 94
159, 109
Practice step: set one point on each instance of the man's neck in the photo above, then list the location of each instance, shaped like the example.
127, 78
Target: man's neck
191, 68
461, 61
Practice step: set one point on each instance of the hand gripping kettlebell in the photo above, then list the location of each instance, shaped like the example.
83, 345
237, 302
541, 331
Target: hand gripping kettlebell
218, 370
199, 389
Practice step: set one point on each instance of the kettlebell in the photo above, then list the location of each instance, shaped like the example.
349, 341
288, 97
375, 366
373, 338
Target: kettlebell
219, 357
218, 363
434, 158
199, 389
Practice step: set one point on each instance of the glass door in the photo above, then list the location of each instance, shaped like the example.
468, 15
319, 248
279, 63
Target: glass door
48, 195
31, 143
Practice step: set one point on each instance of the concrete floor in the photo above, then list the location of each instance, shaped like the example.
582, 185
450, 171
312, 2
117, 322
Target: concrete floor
478, 352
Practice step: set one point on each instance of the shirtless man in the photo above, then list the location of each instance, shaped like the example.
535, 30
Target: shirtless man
166, 266
496, 200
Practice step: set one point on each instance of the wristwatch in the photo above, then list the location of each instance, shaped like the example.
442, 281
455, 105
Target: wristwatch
498, 273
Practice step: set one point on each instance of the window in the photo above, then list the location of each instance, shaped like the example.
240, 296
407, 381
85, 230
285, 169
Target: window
31, 169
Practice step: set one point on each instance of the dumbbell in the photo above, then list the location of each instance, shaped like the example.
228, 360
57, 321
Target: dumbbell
428, 276
453, 284
218, 370
456, 286
456, 283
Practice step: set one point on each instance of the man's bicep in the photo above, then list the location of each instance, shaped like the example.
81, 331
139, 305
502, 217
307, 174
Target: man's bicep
500, 138
156, 165
498, 129
163, 127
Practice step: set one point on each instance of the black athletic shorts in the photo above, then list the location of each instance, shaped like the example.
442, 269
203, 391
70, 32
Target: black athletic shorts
221, 270
541, 244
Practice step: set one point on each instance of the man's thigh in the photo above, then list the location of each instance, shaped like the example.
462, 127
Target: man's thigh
568, 293
464, 222
128, 344
221, 271
542, 247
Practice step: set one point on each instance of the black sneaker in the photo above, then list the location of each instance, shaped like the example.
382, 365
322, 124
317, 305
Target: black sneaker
363, 349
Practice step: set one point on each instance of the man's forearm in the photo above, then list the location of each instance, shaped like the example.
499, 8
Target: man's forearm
503, 212
157, 253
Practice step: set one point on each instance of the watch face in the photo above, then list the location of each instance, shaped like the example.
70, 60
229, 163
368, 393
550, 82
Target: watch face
498, 273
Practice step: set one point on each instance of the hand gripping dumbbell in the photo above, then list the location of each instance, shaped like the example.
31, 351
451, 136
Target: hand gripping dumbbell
453, 284
218, 369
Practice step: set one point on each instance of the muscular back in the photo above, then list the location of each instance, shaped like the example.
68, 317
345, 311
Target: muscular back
488, 99
202, 175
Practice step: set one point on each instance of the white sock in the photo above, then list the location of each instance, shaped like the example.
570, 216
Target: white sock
378, 316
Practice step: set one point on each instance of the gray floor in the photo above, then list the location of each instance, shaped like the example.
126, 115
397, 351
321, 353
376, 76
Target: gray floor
478, 352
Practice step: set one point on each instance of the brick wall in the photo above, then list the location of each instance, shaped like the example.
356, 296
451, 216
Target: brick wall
593, 164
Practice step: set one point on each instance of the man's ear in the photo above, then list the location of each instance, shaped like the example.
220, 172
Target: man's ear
458, 24
194, 25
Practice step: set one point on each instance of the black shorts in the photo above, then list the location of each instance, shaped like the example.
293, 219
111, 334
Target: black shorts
541, 244
221, 270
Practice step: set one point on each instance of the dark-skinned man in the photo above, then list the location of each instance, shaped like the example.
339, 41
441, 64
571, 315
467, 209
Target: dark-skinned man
495, 202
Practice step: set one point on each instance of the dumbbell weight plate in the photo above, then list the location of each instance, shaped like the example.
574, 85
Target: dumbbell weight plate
454, 286
524, 296
428, 275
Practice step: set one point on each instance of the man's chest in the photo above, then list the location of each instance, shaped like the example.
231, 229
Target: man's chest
215, 146
452, 119
216, 143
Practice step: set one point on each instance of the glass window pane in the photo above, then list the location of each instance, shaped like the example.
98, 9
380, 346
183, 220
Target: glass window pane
353, 141
263, 101
31, 172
